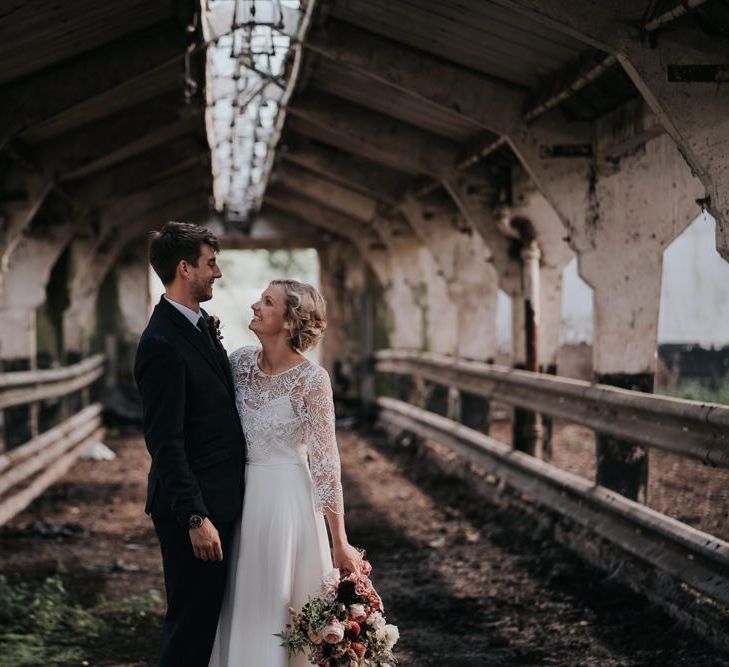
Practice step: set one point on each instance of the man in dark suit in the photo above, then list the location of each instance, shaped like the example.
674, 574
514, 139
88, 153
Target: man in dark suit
194, 435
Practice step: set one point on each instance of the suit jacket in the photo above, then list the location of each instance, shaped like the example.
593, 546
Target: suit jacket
191, 424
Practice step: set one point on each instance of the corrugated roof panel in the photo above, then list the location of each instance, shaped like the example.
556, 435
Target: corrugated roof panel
44, 32
477, 34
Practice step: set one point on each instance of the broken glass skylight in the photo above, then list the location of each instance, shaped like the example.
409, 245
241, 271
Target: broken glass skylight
253, 58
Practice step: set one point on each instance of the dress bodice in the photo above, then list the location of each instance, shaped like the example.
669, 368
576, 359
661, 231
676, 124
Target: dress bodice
288, 417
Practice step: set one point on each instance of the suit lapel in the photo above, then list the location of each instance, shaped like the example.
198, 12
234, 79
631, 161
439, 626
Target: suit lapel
196, 339
222, 357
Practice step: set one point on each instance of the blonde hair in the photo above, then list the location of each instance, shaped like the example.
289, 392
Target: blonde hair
306, 312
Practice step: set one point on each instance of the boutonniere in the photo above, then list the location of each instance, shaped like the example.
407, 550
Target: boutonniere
215, 326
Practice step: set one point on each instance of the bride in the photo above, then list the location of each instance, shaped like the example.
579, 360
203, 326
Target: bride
281, 549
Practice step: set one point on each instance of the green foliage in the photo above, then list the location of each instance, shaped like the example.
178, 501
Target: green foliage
139, 605
40, 624
696, 390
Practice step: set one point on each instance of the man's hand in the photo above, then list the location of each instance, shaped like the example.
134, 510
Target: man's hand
206, 541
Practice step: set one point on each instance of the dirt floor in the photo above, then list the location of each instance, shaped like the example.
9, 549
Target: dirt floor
467, 583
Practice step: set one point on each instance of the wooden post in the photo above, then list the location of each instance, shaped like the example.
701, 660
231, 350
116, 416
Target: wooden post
367, 348
623, 466
111, 349
475, 412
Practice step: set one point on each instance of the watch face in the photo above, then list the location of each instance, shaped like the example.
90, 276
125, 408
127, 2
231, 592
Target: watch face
196, 521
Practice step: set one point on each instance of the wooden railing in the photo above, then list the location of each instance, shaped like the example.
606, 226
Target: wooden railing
30, 468
22, 387
687, 428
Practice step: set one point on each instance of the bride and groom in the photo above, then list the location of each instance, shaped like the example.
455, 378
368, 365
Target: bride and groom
244, 465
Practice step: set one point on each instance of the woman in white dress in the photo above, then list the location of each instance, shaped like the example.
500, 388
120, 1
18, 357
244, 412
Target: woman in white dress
281, 548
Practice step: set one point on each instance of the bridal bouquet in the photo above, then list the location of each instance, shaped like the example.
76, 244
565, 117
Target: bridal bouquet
344, 626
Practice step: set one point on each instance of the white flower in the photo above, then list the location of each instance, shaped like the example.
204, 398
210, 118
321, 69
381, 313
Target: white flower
377, 621
329, 585
392, 634
357, 612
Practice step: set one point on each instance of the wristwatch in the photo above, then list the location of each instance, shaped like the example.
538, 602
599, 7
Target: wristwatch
195, 521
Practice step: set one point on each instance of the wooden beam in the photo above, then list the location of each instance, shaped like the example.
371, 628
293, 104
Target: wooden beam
374, 136
17, 218
492, 104
141, 171
330, 194
41, 96
107, 142
363, 176
36, 35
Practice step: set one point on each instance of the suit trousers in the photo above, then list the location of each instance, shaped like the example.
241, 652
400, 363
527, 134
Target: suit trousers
194, 591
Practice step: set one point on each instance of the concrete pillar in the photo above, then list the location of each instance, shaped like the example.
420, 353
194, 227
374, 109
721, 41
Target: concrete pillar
531, 205
425, 316
351, 330
132, 277
619, 216
23, 291
641, 208
465, 263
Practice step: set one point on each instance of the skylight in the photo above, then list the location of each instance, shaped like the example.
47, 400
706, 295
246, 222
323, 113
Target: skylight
253, 59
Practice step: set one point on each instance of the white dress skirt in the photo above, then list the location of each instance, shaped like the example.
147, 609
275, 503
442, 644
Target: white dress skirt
280, 549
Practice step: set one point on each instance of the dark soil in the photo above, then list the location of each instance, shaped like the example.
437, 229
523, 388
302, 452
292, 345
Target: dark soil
467, 583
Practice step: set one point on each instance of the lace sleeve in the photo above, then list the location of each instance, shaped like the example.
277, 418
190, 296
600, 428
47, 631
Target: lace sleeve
324, 455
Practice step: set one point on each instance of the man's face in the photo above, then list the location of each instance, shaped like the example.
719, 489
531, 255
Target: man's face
203, 275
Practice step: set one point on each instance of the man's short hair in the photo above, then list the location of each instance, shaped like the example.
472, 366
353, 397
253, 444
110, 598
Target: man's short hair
177, 241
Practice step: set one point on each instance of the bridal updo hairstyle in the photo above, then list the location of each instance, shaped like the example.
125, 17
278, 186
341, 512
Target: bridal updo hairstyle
306, 311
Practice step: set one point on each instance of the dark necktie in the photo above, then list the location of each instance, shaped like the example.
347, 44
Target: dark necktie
205, 330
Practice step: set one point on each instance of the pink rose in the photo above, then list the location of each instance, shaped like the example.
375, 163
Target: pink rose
333, 632
357, 612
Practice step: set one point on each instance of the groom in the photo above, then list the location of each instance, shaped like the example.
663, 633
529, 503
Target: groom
193, 433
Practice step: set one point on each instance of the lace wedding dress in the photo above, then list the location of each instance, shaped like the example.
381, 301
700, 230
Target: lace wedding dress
281, 549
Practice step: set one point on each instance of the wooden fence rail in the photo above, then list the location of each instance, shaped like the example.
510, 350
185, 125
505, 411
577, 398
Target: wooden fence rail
687, 428
689, 558
29, 469
24, 387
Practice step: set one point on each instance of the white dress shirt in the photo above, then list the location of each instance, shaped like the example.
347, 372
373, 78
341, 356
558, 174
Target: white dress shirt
190, 314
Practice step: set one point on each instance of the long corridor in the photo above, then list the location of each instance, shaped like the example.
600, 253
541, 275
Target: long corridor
467, 582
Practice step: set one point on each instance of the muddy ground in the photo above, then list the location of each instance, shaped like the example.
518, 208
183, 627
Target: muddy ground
467, 583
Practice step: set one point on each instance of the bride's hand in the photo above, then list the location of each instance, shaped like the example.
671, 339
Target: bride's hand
346, 557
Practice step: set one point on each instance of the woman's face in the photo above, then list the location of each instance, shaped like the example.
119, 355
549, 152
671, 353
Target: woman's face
268, 312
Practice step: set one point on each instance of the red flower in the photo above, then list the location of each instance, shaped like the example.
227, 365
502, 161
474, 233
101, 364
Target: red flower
358, 648
353, 630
